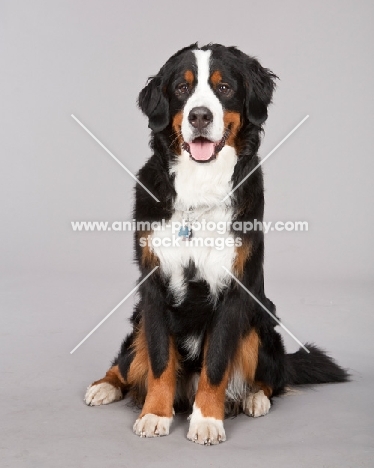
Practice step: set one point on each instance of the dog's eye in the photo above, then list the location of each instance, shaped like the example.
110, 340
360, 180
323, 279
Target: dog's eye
183, 88
223, 88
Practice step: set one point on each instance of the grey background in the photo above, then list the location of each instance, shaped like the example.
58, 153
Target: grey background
91, 58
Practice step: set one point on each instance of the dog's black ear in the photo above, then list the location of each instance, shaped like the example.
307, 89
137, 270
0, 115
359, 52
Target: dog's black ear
259, 84
154, 104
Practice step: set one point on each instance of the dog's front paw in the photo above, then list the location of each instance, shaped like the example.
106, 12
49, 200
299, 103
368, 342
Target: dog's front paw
256, 404
205, 430
151, 425
102, 394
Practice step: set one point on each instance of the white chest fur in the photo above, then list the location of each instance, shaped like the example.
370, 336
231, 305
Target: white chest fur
202, 187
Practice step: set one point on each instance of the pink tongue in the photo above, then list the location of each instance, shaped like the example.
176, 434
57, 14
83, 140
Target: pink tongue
202, 151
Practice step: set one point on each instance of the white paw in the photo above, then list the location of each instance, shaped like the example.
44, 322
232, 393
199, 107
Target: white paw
256, 404
102, 394
151, 425
205, 430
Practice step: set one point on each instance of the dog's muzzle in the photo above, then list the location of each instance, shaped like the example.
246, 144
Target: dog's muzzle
201, 148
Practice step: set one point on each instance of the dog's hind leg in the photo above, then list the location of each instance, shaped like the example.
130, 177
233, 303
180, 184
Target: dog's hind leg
128, 373
114, 385
106, 390
128, 370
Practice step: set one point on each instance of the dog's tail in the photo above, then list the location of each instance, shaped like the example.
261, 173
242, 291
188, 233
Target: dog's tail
315, 367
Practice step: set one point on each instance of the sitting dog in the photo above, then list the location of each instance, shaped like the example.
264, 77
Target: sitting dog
200, 341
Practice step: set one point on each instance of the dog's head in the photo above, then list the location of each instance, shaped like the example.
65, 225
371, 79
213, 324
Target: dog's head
205, 96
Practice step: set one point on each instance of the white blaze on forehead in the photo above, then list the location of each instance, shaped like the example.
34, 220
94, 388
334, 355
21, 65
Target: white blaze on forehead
203, 96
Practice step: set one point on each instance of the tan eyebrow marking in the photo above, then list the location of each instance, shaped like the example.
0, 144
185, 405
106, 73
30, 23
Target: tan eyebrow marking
189, 76
216, 77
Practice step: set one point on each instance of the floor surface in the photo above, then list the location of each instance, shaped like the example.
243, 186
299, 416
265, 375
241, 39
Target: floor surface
45, 422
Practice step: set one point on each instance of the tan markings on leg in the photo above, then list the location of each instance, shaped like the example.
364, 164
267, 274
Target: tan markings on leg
232, 122
161, 390
268, 391
138, 370
177, 135
137, 373
210, 399
246, 357
215, 78
148, 259
243, 253
113, 377
107, 389
206, 422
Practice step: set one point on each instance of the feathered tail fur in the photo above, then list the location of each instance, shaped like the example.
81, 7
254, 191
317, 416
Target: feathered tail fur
315, 367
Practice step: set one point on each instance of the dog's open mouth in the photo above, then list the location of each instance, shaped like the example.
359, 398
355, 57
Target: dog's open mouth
203, 150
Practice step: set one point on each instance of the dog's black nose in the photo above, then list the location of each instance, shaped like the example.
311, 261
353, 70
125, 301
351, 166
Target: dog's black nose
200, 117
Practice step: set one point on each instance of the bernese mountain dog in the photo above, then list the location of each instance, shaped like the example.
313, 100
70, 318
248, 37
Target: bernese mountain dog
200, 341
